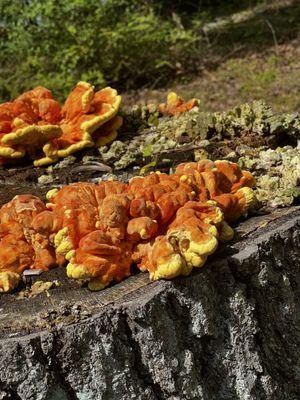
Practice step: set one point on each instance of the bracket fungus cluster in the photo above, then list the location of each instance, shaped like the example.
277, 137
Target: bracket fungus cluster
176, 105
166, 224
35, 124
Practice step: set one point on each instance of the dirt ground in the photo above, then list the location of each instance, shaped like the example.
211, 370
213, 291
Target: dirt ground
269, 76
248, 56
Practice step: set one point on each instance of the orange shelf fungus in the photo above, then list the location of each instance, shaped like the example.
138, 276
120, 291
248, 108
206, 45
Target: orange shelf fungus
108, 132
35, 125
100, 258
166, 224
189, 240
28, 123
25, 240
141, 228
175, 105
83, 115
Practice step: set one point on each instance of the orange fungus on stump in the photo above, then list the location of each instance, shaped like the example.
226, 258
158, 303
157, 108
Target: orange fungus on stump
176, 105
35, 125
166, 224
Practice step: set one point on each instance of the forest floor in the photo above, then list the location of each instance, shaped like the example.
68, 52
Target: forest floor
253, 56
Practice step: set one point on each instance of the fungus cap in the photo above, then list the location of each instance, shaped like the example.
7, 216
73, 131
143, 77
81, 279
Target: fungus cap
175, 105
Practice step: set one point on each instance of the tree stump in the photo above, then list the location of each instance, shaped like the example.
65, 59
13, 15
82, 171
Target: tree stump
230, 331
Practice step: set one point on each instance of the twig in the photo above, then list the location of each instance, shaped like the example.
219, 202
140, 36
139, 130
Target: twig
274, 36
84, 168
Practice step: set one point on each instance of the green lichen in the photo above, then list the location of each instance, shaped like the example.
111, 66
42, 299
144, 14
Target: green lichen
132, 151
255, 117
277, 174
146, 138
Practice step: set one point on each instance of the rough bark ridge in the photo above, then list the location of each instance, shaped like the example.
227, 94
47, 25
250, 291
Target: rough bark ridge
229, 331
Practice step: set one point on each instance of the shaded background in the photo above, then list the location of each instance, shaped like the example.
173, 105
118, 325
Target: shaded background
223, 52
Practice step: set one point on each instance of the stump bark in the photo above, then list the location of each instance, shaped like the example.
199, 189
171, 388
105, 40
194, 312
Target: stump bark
230, 331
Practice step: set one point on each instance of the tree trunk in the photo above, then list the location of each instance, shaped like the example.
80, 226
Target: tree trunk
230, 331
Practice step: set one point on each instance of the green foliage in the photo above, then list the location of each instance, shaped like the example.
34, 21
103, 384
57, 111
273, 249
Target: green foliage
131, 44
55, 43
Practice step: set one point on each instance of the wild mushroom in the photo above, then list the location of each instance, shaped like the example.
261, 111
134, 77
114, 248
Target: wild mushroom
101, 258
189, 240
167, 224
30, 122
176, 105
34, 124
234, 205
141, 228
25, 242
83, 114
108, 132
79, 209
